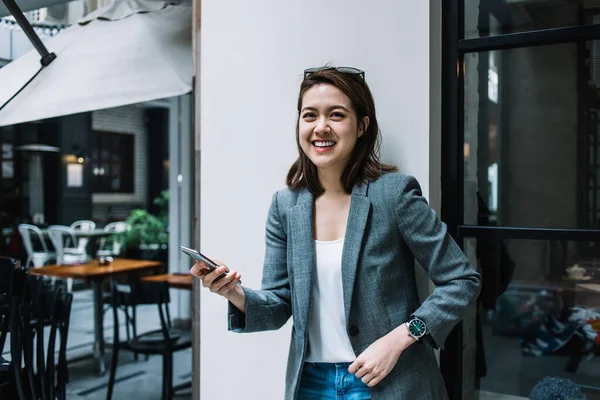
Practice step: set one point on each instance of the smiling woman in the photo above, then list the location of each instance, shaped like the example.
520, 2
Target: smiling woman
341, 243
336, 107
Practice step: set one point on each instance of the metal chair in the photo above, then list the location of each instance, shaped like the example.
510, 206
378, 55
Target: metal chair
83, 225
59, 236
35, 258
115, 227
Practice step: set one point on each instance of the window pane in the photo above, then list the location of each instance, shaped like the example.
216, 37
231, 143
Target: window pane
114, 169
105, 154
536, 315
532, 137
7, 151
493, 17
8, 171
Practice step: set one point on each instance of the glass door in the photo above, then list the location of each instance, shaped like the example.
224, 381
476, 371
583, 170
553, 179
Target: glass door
521, 193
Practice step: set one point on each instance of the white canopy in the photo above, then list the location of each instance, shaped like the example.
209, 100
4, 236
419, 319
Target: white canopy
128, 52
29, 5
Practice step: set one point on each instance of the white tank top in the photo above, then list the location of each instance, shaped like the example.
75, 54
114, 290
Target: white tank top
328, 339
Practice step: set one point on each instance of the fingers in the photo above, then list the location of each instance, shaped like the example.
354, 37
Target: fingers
196, 269
213, 277
355, 366
362, 371
370, 381
368, 375
234, 278
199, 269
220, 280
369, 378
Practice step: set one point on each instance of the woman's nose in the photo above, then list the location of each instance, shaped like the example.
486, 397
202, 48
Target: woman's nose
321, 127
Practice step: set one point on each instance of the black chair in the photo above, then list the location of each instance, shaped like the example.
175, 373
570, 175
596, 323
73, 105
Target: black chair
59, 324
36, 303
164, 341
8, 267
48, 305
11, 291
128, 309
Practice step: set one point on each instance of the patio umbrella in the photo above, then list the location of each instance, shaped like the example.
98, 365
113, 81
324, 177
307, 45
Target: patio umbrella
128, 52
29, 5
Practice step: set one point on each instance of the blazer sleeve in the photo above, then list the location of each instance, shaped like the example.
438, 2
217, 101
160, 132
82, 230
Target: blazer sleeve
268, 308
456, 280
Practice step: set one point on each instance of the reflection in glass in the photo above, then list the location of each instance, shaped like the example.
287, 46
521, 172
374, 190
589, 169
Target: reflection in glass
538, 315
532, 137
494, 17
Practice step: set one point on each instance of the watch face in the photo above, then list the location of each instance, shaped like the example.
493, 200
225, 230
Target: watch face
416, 327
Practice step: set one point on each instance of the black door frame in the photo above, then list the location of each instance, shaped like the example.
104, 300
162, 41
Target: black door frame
454, 49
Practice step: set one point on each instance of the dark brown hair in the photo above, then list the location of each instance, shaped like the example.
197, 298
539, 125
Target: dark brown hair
364, 162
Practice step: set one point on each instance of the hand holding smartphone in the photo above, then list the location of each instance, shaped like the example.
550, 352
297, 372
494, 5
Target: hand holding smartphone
196, 255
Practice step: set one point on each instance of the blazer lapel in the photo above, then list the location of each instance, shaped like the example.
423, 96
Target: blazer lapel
303, 252
355, 229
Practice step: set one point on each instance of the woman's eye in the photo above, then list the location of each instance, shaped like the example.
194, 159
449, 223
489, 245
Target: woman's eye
337, 115
308, 115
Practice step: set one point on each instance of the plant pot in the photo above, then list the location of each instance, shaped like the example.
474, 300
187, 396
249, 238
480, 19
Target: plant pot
149, 252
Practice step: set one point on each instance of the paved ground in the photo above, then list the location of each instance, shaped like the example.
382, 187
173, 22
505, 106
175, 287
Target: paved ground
140, 379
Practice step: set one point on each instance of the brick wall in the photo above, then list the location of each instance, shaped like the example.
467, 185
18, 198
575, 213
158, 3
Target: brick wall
128, 120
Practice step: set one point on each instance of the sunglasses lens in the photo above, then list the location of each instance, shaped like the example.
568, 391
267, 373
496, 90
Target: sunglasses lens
350, 70
312, 70
343, 70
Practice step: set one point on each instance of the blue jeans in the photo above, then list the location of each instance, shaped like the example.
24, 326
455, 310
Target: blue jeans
331, 381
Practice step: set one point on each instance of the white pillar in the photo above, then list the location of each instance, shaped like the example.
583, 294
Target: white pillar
180, 194
253, 56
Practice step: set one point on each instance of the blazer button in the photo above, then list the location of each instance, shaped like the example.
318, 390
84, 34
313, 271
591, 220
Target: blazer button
354, 330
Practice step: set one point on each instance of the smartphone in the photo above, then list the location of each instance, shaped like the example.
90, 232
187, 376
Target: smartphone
196, 255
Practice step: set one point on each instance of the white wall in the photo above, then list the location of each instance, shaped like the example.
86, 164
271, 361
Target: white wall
252, 58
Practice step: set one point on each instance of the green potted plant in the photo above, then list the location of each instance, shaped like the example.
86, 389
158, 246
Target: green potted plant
148, 237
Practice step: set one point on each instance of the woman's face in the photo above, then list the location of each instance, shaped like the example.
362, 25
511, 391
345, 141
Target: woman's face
328, 127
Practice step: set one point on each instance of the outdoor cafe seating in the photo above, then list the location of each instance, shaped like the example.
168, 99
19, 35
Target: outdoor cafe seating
68, 244
35, 306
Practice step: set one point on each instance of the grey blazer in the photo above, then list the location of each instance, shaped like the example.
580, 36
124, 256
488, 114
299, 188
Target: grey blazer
390, 224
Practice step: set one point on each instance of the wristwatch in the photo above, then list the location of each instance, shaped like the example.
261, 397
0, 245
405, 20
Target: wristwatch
416, 327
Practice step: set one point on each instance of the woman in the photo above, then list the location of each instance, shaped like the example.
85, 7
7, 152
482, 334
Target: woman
341, 242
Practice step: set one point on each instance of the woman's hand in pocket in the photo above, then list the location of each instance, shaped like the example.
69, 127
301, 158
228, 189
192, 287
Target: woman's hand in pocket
378, 360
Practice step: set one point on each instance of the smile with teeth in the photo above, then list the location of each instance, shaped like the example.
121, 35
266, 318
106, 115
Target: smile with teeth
323, 144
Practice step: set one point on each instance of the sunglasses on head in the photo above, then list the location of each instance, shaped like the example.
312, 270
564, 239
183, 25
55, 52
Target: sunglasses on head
343, 70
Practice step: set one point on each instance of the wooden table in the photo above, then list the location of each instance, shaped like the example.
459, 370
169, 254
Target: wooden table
95, 274
175, 280
594, 287
92, 271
